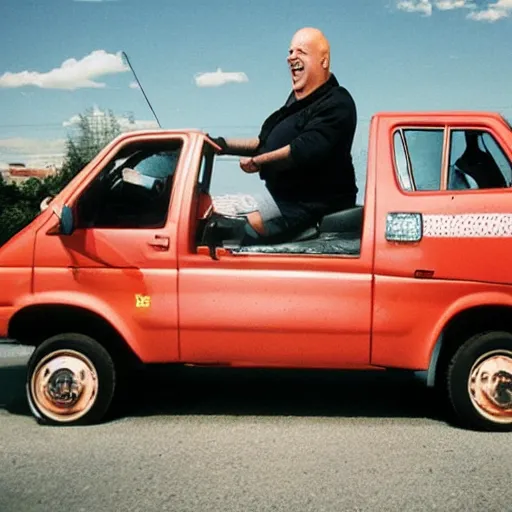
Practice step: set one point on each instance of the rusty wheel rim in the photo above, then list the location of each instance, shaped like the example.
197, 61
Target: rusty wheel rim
64, 385
490, 386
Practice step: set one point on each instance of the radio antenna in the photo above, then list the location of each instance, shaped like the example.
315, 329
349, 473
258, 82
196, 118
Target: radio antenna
140, 87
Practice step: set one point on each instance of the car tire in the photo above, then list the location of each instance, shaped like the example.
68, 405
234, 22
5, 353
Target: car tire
479, 382
70, 381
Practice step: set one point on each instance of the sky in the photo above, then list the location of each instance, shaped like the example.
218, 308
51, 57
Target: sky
221, 66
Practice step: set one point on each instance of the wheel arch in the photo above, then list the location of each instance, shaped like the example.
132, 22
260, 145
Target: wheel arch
34, 323
462, 323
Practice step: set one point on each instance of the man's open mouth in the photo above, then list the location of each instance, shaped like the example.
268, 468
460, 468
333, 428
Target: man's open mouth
297, 68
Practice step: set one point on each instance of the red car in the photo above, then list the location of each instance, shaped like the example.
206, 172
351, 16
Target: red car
419, 278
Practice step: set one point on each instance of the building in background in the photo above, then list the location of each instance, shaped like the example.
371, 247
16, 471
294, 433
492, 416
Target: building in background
18, 173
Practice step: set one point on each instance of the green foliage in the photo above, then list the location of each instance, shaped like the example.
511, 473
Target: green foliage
20, 204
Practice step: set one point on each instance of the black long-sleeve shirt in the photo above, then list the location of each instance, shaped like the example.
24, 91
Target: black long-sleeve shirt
320, 131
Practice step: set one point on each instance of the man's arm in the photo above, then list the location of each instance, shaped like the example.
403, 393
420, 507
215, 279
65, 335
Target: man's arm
280, 158
332, 122
237, 147
320, 135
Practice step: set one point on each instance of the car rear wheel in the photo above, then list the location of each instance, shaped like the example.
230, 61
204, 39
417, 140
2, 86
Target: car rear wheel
479, 382
70, 380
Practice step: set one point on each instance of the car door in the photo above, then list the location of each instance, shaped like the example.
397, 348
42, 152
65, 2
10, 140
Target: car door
120, 260
282, 309
442, 230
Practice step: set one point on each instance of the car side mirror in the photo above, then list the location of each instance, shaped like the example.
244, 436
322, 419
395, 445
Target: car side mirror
66, 221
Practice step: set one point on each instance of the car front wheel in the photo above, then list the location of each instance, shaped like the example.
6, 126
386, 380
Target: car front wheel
70, 380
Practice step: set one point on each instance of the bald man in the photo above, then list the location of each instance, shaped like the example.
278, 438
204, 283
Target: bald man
303, 151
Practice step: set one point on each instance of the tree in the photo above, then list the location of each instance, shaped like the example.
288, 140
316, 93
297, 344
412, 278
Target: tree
94, 131
19, 205
14, 210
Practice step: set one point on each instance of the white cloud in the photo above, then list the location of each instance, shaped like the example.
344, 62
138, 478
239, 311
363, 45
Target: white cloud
126, 123
490, 12
448, 5
423, 6
494, 11
32, 152
72, 121
72, 74
219, 77
40, 153
134, 85
20, 145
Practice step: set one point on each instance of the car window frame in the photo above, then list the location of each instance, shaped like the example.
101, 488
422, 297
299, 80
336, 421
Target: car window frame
447, 128
111, 171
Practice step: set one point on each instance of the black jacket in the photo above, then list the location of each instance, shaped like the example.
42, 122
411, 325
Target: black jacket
320, 130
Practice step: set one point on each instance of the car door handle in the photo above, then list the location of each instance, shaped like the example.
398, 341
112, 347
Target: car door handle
160, 242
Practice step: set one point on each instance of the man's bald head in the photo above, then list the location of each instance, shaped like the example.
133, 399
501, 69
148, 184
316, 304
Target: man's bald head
309, 60
314, 38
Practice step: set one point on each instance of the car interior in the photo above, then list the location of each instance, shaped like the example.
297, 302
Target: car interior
476, 167
337, 233
133, 191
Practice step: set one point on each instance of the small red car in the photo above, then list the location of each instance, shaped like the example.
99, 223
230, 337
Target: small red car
418, 277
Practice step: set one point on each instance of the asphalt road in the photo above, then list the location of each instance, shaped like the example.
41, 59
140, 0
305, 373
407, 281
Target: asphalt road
253, 441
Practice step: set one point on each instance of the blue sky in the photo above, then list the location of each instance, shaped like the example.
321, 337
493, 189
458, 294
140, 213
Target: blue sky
391, 54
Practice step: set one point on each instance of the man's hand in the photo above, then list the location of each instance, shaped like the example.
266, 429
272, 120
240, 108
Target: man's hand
249, 165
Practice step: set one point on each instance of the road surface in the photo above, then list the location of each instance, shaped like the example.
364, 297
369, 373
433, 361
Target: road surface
253, 441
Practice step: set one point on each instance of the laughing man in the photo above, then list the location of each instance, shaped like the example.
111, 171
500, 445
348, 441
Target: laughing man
303, 151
